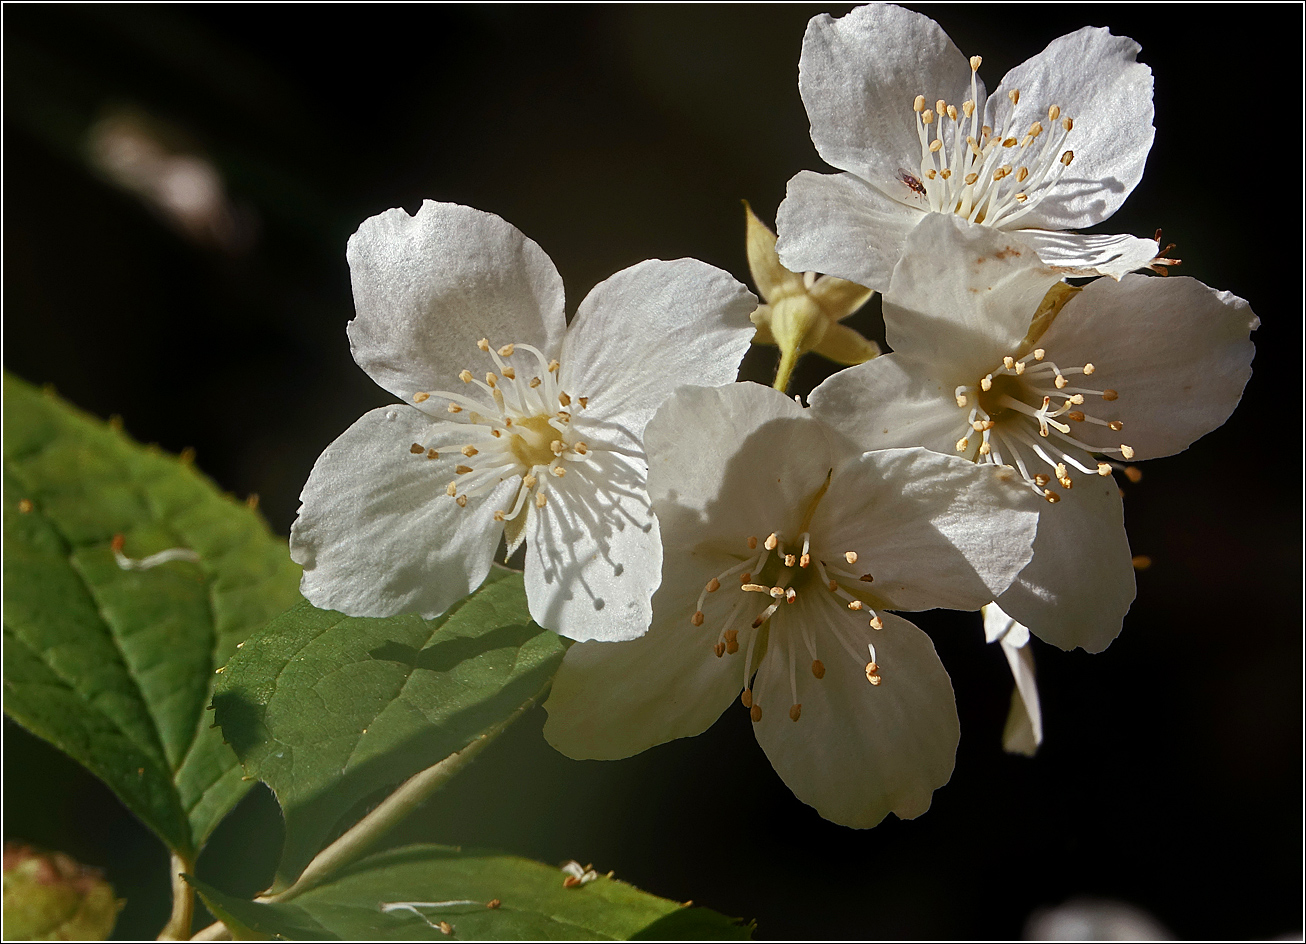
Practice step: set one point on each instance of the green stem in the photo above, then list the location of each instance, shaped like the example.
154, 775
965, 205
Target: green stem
393, 809
183, 903
788, 358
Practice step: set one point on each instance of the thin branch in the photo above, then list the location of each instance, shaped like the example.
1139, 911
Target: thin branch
183, 903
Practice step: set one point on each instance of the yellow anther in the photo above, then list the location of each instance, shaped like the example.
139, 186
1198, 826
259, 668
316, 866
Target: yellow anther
557, 448
697, 618
945, 173
462, 469
432, 454
873, 673
1014, 95
777, 592
791, 559
1009, 142
500, 516
1088, 369
451, 489
755, 588
491, 381
918, 105
1009, 362
752, 542
732, 641
1054, 112
1115, 425
795, 712
744, 578
1067, 123
453, 407
850, 556
465, 375
936, 146
963, 444
462, 501
927, 116
535, 382
1020, 368
1126, 451
416, 449
1067, 158
583, 401
420, 397
968, 108
1035, 129
1021, 174
1021, 197
553, 366
558, 471
971, 178
483, 344
987, 383
1061, 382
856, 605
805, 560
1039, 353
530, 480
975, 63
540, 500
581, 449
564, 399
940, 107
506, 350
985, 449
771, 542
1104, 468
961, 399
510, 373
1041, 480
952, 112
1051, 496
713, 585
469, 451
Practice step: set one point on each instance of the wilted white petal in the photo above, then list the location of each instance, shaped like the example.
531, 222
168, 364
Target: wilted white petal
1081, 255
376, 533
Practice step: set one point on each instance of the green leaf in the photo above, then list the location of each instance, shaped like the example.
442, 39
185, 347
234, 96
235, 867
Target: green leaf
329, 710
405, 894
115, 667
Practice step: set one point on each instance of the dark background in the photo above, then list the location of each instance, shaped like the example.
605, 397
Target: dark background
1171, 777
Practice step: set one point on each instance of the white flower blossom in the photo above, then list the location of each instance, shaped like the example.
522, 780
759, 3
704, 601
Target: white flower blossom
895, 105
998, 360
513, 423
784, 549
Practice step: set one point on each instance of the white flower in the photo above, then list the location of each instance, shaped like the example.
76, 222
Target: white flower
896, 105
517, 422
784, 548
1003, 363
1023, 732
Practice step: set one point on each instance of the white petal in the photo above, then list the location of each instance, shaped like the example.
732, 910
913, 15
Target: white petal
707, 447
932, 530
614, 699
594, 555
1097, 81
837, 224
647, 330
1078, 587
428, 287
962, 297
888, 402
1023, 732
376, 533
1176, 351
859, 752
1099, 254
859, 75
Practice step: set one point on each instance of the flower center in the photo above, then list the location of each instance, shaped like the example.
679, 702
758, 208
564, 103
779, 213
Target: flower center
520, 425
988, 176
1017, 412
779, 573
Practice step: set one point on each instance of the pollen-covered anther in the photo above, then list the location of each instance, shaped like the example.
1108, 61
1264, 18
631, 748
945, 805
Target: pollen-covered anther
975, 64
530, 480
856, 605
1115, 425
462, 501
987, 383
713, 585
510, 373
1126, 451
1088, 369
971, 178
1051, 496
1041, 480
790, 594
564, 398
963, 444
500, 516
465, 375
850, 556
554, 365
876, 622
454, 408
558, 471
540, 500
421, 397
506, 350
462, 469
772, 542
918, 105
484, 344
1104, 468
697, 618
818, 668
777, 592
416, 449
1068, 156
491, 380
873, 673
805, 560
469, 451
451, 489
795, 712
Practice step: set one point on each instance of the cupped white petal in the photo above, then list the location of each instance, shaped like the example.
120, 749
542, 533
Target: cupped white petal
1177, 353
859, 75
648, 329
376, 533
706, 449
1096, 80
614, 699
594, 554
889, 402
428, 287
858, 751
838, 224
929, 530
962, 297
1078, 587
1098, 254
